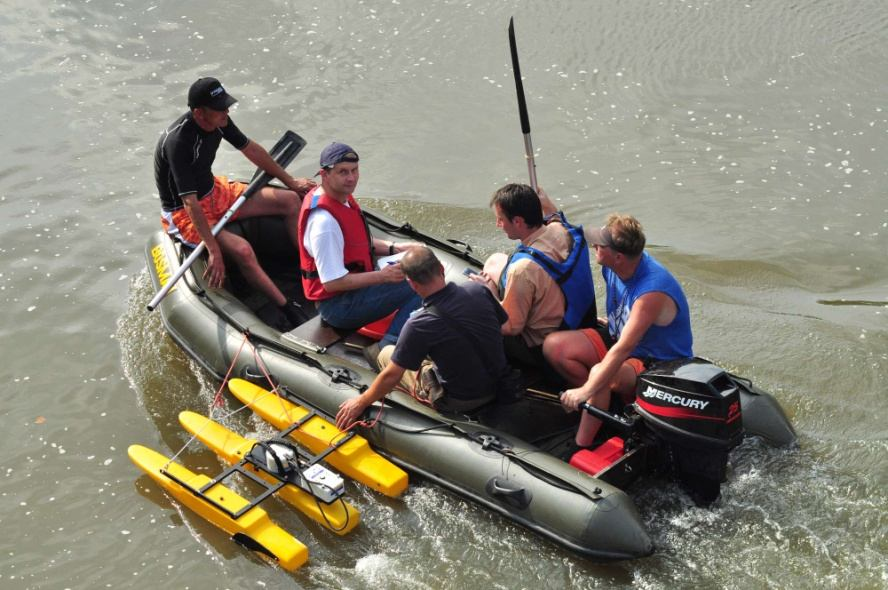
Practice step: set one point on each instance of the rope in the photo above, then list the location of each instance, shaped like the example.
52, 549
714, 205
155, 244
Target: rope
218, 401
399, 387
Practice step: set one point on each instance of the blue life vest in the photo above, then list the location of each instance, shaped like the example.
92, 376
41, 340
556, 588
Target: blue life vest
573, 276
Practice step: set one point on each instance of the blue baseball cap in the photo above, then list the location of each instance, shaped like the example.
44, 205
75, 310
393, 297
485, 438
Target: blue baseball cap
337, 152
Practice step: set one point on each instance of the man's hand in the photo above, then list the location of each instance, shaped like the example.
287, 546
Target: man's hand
547, 205
392, 273
349, 412
214, 275
215, 272
351, 409
301, 186
572, 398
482, 278
259, 156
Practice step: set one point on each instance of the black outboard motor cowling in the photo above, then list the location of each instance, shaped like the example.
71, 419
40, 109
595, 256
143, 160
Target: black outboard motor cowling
693, 408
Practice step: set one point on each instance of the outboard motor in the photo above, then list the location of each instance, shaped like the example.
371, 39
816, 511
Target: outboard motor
692, 408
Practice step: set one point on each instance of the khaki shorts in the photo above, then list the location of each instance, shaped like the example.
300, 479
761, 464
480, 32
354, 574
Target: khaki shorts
423, 385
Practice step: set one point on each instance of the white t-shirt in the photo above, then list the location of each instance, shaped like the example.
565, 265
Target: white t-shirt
325, 243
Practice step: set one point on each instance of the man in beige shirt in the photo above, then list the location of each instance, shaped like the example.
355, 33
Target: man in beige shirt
527, 281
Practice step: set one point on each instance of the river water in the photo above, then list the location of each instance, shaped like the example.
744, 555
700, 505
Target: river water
749, 139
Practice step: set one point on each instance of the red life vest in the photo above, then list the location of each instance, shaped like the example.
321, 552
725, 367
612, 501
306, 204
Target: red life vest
357, 253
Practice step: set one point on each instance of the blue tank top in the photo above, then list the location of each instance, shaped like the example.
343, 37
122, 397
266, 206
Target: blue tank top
660, 343
573, 276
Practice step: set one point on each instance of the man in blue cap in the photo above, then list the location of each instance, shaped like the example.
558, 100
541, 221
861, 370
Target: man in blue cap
337, 253
193, 199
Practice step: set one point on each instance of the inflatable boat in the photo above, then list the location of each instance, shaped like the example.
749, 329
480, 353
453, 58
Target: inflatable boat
517, 459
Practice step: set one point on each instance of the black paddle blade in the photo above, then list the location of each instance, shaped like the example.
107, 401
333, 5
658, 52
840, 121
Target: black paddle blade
519, 85
283, 152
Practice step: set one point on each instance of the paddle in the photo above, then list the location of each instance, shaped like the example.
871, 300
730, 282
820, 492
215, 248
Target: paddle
283, 153
284, 143
522, 107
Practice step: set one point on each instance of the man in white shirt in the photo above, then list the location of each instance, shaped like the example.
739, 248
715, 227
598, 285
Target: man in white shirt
337, 253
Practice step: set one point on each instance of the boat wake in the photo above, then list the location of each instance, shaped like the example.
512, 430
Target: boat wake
164, 379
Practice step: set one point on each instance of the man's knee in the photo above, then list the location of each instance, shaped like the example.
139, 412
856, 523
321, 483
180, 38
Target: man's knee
272, 201
285, 202
385, 356
240, 250
625, 382
565, 346
291, 203
554, 349
495, 264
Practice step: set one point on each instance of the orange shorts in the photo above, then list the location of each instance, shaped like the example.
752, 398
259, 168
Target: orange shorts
178, 223
636, 364
596, 340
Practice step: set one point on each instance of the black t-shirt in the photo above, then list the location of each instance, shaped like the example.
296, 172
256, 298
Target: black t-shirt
463, 374
184, 158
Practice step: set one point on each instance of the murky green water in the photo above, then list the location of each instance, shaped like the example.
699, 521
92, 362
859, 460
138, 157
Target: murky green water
749, 138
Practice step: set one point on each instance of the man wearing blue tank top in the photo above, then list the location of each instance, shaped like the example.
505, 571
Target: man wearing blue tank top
647, 318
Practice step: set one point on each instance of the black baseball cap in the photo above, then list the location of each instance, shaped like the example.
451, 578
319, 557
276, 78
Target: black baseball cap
208, 92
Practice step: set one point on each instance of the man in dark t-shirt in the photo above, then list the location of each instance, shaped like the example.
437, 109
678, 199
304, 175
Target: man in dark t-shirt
458, 328
193, 200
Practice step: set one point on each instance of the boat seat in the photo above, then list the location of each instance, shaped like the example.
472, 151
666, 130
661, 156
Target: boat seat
595, 461
376, 330
319, 332
316, 331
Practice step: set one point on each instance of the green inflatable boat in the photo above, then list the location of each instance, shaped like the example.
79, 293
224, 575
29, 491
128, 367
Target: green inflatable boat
516, 459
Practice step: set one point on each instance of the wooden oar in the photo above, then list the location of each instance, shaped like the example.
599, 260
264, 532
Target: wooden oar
522, 107
544, 396
283, 153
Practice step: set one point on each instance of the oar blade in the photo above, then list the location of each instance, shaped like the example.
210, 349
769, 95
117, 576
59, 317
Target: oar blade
286, 148
519, 85
522, 107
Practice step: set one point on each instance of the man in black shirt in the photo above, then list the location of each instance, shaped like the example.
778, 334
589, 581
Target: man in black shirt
458, 328
193, 200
